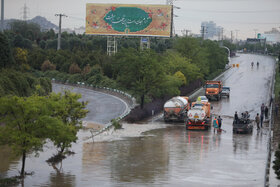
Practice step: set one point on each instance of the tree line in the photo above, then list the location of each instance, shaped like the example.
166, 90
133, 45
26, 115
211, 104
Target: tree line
169, 64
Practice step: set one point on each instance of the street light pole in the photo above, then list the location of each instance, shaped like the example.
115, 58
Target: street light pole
255, 32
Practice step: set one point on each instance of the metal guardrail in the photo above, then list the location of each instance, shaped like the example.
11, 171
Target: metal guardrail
270, 134
90, 86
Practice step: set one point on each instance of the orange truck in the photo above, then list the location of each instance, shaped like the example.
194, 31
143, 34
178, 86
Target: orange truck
199, 116
213, 89
176, 109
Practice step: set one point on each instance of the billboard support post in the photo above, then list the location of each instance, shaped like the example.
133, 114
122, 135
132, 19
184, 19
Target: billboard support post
112, 47
145, 43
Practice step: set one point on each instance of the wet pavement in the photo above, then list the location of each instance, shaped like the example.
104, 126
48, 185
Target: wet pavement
160, 154
102, 107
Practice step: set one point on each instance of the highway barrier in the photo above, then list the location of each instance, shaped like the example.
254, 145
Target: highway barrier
270, 134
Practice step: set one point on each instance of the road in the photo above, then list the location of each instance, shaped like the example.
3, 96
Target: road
160, 154
102, 107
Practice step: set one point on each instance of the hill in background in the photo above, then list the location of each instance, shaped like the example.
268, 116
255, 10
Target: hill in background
43, 22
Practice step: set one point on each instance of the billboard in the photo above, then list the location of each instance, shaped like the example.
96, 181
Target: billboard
129, 19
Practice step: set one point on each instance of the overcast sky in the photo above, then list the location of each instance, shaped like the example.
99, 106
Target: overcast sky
242, 15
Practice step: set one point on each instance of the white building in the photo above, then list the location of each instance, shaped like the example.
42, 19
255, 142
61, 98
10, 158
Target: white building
272, 36
211, 30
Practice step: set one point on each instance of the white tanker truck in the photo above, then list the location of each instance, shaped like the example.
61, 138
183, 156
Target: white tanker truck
199, 116
176, 109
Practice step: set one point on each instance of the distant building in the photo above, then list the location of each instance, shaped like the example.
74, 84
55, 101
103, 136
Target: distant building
80, 30
272, 36
212, 31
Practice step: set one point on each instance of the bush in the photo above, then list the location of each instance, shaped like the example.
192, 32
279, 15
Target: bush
47, 65
21, 84
75, 78
116, 124
276, 163
74, 68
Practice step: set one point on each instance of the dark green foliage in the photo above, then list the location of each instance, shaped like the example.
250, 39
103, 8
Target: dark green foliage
69, 111
141, 72
21, 84
26, 120
276, 163
6, 58
29, 31
12, 181
116, 124
30, 121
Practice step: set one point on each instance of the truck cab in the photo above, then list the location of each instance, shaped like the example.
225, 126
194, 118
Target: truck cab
213, 89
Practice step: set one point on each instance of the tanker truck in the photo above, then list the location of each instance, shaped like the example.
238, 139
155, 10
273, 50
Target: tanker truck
176, 109
199, 116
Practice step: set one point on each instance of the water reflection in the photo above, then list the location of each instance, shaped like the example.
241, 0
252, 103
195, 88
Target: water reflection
60, 178
7, 159
136, 159
241, 143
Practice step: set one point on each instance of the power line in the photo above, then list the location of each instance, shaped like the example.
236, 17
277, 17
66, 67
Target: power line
232, 11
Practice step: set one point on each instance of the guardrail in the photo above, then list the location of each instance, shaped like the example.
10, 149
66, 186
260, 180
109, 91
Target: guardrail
132, 105
270, 134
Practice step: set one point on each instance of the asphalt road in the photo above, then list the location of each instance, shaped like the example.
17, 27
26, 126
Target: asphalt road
160, 154
102, 107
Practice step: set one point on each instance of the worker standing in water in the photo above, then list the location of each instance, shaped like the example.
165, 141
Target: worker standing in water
215, 124
220, 122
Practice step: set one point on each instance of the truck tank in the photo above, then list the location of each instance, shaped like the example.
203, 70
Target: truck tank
176, 109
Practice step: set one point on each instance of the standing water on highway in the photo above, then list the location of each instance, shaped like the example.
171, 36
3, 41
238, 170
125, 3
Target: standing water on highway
165, 154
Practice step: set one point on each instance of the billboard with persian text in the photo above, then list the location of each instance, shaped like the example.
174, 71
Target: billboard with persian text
129, 19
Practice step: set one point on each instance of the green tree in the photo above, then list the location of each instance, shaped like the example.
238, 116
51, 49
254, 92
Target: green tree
5, 52
30, 31
192, 50
174, 62
25, 122
70, 111
139, 71
216, 56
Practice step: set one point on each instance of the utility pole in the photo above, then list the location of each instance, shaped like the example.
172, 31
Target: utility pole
59, 32
231, 36
236, 32
2, 15
171, 2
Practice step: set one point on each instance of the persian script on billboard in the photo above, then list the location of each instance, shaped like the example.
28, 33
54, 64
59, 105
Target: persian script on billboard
125, 19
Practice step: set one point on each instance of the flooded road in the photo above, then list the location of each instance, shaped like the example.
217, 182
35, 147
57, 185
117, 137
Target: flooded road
160, 154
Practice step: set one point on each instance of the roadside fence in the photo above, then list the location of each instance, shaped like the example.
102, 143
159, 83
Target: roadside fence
270, 133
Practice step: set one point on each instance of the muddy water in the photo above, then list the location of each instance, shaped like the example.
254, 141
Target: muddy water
159, 154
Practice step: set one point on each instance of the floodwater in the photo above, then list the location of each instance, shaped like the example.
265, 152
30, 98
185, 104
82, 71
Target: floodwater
160, 154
